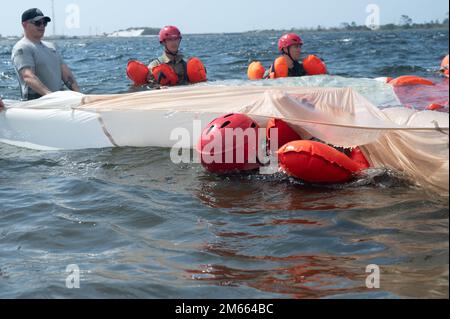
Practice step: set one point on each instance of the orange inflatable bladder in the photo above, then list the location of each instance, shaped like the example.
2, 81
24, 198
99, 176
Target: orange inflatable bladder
137, 72
281, 68
313, 65
317, 163
256, 71
410, 80
286, 134
435, 107
359, 158
196, 71
165, 75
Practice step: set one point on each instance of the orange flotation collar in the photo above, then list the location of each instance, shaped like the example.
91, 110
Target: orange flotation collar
165, 75
314, 162
435, 107
313, 65
137, 72
410, 80
359, 158
256, 71
280, 68
196, 71
286, 133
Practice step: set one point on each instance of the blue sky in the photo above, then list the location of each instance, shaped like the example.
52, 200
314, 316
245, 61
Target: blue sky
197, 16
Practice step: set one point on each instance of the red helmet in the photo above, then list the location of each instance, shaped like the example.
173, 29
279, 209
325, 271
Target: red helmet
222, 153
169, 33
287, 40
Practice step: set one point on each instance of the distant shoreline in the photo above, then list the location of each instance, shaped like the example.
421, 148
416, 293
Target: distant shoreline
252, 32
346, 30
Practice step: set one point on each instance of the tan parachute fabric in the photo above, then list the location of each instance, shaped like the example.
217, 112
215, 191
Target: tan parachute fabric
414, 143
338, 116
420, 155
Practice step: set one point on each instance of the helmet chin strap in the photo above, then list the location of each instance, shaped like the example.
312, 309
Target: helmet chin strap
288, 54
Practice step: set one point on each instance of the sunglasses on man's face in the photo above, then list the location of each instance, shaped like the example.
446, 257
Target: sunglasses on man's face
39, 23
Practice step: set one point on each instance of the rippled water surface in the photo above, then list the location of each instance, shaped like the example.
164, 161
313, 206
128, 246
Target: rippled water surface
139, 226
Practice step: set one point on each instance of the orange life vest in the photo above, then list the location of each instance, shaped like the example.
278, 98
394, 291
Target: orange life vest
256, 71
165, 75
313, 65
196, 71
137, 72
279, 69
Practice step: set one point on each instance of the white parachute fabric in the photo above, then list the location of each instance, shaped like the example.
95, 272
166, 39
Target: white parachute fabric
63, 100
51, 123
415, 143
339, 116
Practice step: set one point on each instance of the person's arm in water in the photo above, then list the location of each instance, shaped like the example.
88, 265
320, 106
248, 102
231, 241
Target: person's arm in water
2, 106
69, 79
33, 82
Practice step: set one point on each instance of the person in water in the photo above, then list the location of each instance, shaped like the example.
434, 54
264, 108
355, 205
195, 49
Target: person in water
290, 47
39, 67
170, 38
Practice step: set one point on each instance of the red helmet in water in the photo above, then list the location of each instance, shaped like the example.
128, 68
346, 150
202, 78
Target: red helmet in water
289, 39
169, 33
222, 153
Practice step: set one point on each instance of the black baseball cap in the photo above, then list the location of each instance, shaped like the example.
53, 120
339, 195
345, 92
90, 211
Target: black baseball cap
34, 15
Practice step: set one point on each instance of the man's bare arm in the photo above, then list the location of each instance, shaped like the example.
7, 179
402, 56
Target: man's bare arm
69, 79
33, 82
2, 106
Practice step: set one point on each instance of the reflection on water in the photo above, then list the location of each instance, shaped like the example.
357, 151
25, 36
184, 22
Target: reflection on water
309, 277
355, 226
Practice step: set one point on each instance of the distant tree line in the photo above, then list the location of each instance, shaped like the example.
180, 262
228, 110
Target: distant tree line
151, 31
147, 31
405, 23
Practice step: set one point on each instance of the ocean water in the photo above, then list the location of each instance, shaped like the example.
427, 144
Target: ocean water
139, 226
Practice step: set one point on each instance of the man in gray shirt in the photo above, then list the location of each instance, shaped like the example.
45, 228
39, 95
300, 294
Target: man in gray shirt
41, 70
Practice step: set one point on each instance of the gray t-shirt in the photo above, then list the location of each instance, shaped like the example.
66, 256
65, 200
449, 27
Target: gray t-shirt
45, 62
